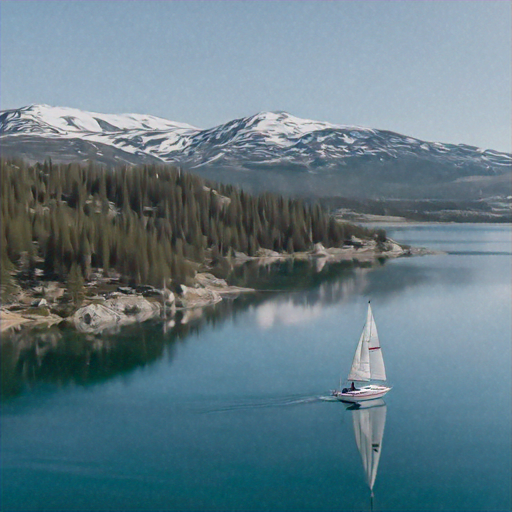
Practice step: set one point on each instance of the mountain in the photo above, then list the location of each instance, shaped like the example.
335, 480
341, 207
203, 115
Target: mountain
268, 151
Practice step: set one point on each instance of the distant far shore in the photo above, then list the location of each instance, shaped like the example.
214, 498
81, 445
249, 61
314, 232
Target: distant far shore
488, 210
366, 218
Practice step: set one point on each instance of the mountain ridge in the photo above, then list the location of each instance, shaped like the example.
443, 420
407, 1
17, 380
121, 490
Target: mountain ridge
252, 150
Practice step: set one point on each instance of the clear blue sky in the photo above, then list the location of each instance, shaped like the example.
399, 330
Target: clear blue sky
436, 70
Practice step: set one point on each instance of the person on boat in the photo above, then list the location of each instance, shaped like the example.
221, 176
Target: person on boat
352, 387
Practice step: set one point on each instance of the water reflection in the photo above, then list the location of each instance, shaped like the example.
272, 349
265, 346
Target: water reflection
288, 292
369, 420
60, 355
63, 356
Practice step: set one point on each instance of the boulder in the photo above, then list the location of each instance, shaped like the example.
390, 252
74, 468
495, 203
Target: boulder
319, 250
169, 297
392, 247
241, 256
267, 253
127, 290
210, 281
144, 288
356, 242
113, 313
95, 318
198, 297
39, 302
132, 305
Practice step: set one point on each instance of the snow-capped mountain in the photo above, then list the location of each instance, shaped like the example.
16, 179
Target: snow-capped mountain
270, 144
64, 121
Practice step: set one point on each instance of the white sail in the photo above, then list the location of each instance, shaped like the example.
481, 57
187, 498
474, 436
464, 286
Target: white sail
368, 363
369, 431
377, 369
360, 369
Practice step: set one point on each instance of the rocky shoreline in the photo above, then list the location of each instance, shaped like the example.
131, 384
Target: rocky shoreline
111, 310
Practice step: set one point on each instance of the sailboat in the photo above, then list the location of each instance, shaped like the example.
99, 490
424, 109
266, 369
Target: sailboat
369, 421
367, 365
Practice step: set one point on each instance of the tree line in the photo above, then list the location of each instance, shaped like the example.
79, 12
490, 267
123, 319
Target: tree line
150, 224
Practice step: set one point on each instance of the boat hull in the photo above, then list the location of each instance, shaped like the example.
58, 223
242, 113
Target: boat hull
362, 394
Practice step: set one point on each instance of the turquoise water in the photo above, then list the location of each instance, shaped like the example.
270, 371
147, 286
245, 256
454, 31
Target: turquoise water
225, 412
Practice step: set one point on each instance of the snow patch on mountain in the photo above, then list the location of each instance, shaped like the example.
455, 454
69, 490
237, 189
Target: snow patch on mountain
262, 139
72, 121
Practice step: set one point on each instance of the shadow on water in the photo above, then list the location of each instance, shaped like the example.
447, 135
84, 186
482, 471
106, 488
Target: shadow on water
62, 356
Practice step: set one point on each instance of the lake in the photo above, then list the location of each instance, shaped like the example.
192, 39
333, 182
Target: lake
227, 409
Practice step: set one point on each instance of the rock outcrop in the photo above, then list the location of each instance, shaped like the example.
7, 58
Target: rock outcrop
114, 313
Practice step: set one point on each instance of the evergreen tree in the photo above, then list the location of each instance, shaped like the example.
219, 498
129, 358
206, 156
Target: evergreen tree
75, 284
148, 223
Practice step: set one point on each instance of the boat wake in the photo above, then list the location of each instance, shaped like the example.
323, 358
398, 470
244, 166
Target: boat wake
263, 403
328, 398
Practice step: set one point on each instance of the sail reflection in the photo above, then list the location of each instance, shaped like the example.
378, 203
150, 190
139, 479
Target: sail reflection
369, 420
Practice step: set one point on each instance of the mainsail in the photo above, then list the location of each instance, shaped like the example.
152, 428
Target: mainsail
368, 363
369, 431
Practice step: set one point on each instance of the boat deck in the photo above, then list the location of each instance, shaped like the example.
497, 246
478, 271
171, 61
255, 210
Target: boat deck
371, 392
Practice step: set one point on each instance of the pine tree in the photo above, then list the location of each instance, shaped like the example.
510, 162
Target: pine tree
75, 284
148, 223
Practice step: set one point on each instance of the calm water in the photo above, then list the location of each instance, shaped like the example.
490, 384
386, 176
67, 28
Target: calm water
224, 412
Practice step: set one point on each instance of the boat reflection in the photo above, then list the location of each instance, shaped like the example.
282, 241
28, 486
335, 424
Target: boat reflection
369, 420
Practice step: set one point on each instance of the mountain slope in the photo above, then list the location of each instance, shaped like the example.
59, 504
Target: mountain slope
270, 150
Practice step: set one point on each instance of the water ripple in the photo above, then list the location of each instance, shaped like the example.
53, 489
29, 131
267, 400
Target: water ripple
259, 403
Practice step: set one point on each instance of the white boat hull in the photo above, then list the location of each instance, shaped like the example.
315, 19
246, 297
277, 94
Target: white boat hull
363, 394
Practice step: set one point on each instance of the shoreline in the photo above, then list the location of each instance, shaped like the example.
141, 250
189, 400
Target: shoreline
125, 306
395, 220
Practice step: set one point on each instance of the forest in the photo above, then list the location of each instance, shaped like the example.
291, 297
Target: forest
149, 224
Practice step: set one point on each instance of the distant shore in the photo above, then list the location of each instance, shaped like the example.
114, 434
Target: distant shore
369, 218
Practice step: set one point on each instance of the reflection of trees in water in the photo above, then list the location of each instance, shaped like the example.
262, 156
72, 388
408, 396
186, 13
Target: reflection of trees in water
290, 275
303, 282
62, 356
297, 282
407, 274
65, 356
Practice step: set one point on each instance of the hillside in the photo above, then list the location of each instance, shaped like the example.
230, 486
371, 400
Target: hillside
268, 151
152, 225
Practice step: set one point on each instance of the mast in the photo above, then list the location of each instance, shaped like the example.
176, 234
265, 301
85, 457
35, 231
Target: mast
377, 368
368, 315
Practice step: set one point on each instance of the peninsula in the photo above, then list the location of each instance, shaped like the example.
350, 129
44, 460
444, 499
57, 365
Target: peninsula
102, 247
